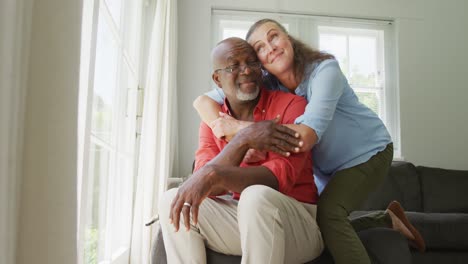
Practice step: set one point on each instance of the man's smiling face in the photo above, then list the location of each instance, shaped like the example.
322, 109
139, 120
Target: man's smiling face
237, 70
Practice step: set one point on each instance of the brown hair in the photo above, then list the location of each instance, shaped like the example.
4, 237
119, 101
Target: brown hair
303, 54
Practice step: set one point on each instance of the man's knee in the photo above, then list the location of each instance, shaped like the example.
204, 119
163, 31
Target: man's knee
257, 197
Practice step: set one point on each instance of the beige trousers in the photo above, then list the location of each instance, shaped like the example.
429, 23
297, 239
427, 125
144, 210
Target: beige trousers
264, 226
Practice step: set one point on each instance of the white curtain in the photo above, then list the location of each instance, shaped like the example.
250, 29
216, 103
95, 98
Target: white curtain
159, 127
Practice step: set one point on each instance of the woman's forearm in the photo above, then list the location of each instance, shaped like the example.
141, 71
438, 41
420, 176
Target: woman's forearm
307, 136
207, 108
223, 126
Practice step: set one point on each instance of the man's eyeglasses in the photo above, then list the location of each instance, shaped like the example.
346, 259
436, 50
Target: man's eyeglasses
238, 68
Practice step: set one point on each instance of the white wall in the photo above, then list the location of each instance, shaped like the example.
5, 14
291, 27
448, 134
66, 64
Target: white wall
433, 65
14, 34
47, 226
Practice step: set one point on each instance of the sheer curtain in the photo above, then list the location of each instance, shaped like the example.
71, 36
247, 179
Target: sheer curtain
159, 126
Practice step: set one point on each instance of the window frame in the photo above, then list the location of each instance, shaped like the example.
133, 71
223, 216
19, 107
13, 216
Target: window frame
127, 108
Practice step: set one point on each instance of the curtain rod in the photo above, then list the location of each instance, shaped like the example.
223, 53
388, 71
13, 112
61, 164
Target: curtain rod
289, 13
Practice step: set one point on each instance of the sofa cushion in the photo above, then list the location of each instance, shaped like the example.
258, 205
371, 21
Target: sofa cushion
402, 184
442, 230
444, 191
440, 256
382, 244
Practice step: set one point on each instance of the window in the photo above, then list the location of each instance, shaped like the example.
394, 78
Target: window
357, 51
110, 129
363, 48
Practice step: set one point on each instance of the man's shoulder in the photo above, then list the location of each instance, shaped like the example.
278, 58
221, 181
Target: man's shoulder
281, 97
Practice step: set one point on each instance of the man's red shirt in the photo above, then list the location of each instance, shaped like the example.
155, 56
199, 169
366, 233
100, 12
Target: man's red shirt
294, 173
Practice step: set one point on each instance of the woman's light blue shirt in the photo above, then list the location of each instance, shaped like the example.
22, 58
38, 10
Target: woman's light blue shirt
349, 133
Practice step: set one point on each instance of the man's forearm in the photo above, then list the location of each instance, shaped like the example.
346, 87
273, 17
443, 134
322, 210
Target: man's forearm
236, 178
227, 173
233, 153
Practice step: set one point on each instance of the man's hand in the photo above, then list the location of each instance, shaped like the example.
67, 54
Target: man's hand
271, 136
192, 193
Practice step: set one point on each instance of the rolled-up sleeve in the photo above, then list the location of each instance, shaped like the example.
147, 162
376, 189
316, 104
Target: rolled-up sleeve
325, 88
207, 147
217, 95
287, 170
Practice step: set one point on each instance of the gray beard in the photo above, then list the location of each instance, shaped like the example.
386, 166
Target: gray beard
247, 96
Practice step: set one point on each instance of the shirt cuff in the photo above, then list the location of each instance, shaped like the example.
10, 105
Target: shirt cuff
310, 123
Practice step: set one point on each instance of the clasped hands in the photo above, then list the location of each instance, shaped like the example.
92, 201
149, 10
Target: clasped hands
265, 136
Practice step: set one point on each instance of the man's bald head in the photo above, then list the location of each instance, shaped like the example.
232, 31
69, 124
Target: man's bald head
232, 46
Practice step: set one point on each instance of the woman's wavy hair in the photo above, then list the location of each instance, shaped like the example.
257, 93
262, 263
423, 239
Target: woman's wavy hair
303, 54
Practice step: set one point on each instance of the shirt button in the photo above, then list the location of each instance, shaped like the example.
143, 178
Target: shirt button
263, 110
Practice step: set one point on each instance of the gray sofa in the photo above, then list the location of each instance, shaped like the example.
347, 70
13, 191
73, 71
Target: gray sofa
437, 204
436, 201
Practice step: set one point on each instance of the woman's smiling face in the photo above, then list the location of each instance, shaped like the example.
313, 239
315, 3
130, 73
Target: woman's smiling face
273, 48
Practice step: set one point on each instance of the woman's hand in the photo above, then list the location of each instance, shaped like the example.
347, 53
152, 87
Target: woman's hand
254, 156
271, 136
226, 126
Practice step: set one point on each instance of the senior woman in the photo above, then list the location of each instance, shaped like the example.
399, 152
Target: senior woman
352, 149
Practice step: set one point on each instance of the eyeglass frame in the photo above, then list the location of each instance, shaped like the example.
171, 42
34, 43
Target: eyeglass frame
231, 69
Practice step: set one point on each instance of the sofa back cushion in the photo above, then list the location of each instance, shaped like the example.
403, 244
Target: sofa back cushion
402, 184
444, 191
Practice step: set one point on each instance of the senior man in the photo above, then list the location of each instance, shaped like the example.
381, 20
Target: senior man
270, 216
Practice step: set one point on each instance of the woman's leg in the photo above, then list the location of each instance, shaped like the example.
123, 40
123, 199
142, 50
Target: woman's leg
344, 193
372, 220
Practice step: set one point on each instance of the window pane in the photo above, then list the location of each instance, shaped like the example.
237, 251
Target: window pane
98, 171
234, 32
122, 184
91, 245
362, 57
370, 99
336, 45
105, 82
